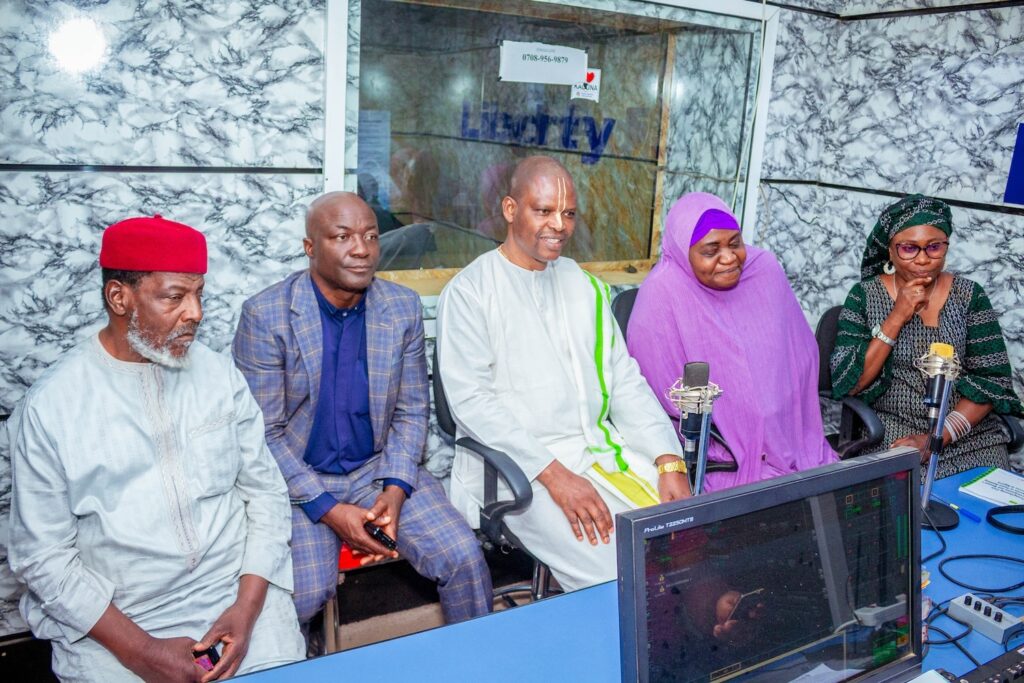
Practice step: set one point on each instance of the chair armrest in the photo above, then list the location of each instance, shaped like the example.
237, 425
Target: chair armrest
1016, 430
498, 464
874, 430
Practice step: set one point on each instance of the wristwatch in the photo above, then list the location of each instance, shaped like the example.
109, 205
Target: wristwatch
877, 333
674, 466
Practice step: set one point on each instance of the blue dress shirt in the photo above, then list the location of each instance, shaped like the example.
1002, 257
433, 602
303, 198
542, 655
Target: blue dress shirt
342, 436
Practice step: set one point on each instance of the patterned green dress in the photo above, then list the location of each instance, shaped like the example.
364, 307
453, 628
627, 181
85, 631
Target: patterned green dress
968, 322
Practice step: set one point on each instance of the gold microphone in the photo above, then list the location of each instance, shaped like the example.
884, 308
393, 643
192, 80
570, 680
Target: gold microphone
940, 367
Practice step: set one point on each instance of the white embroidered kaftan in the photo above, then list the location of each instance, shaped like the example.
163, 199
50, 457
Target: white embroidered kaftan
535, 365
153, 488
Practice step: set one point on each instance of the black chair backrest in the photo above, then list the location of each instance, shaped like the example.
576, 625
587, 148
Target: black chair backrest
1016, 429
441, 409
825, 334
622, 306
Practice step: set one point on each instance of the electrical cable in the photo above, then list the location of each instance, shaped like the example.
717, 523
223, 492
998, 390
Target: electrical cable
843, 627
942, 541
937, 607
992, 514
1003, 602
1006, 648
982, 591
949, 639
958, 645
982, 556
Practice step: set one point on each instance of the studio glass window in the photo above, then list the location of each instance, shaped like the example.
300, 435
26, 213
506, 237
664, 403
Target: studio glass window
434, 134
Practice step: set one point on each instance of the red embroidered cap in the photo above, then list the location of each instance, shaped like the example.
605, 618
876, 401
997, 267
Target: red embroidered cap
153, 245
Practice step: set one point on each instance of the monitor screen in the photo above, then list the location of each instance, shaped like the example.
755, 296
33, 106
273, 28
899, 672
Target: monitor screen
810, 577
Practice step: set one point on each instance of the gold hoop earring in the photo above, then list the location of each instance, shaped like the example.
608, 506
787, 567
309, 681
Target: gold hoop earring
889, 268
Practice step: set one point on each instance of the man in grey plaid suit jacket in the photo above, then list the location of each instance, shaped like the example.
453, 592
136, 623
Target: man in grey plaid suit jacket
335, 358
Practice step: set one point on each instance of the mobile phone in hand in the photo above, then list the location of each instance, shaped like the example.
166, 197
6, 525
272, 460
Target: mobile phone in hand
378, 535
745, 598
206, 659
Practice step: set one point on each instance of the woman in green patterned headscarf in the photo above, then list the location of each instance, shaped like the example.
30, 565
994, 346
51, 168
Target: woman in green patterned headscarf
904, 303
906, 213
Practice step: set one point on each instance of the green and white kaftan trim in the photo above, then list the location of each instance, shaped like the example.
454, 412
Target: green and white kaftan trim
636, 489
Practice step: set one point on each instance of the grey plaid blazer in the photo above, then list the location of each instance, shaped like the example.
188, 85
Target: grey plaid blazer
278, 347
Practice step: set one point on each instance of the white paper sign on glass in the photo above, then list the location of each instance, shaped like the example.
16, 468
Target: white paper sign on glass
541, 63
374, 154
589, 88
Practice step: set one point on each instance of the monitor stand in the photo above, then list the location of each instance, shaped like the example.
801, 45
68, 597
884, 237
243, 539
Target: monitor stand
943, 517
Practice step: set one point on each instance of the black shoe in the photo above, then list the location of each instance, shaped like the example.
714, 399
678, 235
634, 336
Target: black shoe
313, 631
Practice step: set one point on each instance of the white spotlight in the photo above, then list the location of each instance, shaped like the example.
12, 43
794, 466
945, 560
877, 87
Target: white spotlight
78, 45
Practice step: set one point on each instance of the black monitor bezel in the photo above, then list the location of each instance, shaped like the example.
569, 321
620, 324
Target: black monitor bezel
633, 527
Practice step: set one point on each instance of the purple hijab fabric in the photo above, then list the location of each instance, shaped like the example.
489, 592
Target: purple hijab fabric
756, 341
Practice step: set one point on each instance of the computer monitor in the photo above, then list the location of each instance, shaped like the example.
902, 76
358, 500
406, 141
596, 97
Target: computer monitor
814, 576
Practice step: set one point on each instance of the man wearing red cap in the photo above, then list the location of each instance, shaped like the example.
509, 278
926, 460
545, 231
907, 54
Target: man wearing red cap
149, 521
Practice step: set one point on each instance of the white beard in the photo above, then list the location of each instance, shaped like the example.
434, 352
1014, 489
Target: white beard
159, 355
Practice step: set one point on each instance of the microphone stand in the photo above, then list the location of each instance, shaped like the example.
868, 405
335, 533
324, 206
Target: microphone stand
941, 367
696, 400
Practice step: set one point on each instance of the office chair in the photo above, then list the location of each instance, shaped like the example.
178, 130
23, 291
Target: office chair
1016, 430
859, 425
622, 308
496, 464
859, 418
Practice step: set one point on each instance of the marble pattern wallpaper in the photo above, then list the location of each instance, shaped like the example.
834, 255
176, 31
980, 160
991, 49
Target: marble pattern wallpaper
848, 8
710, 115
826, 230
10, 590
801, 95
926, 104
49, 272
218, 83
221, 85
941, 94
352, 104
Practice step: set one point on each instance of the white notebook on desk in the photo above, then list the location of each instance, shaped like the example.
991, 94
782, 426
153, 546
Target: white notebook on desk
996, 486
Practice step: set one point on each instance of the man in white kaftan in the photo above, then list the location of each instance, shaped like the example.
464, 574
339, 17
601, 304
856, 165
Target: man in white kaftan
534, 365
147, 512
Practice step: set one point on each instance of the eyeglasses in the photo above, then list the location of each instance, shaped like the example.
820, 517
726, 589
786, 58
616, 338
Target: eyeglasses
909, 252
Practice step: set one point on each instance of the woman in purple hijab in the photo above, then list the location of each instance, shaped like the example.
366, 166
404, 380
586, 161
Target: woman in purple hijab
711, 298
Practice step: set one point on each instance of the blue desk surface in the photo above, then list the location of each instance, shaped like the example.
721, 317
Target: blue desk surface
575, 637
969, 538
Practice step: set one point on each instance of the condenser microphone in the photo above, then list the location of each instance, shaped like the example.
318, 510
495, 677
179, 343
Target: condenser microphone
940, 367
937, 367
694, 393
696, 376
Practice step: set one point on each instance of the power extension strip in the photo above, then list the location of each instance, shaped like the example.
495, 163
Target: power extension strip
985, 618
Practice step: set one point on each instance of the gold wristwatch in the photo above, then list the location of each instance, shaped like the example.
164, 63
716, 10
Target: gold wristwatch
674, 466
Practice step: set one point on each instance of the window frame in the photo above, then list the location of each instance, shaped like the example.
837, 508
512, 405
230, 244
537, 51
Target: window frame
429, 282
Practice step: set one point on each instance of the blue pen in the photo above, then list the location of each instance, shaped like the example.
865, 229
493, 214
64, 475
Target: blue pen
963, 511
